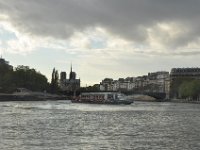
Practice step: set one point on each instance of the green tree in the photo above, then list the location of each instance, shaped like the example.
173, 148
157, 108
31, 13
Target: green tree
175, 86
54, 81
30, 79
21, 76
195, 89
6, 70
190, 89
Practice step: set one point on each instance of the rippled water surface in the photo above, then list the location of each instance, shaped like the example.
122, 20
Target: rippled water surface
62, 125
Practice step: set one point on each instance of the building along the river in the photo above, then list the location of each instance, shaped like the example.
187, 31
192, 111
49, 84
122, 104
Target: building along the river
156, 82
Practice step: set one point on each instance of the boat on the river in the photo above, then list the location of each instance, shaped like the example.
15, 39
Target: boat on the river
102, 98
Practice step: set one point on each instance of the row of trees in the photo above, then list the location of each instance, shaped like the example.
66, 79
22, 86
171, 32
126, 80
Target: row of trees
21, 76
190, 89
25, 77
5, 76
186, 88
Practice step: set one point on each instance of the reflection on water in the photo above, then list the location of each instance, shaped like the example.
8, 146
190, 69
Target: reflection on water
62, 125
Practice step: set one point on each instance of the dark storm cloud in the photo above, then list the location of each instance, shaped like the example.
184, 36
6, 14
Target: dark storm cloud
125, 18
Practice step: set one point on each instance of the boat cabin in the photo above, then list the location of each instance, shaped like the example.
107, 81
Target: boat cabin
102, 96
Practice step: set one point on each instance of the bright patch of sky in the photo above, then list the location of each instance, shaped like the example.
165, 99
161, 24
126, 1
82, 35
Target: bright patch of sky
6, 35
98, 43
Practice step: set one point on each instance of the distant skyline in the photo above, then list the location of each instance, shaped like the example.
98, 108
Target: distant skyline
102, 38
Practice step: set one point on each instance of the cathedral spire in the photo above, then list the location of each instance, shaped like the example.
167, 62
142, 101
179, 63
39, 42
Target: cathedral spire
71, 67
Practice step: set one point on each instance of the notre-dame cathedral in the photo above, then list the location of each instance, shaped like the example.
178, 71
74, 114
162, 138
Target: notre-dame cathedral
71, 84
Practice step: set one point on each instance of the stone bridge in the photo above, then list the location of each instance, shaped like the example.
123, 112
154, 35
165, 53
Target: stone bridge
156, 95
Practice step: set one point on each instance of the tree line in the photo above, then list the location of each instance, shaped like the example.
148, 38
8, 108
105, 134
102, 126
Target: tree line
26, 77
185, 88
190, 89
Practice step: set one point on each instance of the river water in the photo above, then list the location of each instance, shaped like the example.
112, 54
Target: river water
59, 125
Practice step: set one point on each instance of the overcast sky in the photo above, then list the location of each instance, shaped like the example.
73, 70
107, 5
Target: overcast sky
102, 38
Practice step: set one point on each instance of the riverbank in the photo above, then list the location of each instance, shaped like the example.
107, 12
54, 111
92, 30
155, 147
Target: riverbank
140, 97
30, 96
184, 101
41, 96
146, 98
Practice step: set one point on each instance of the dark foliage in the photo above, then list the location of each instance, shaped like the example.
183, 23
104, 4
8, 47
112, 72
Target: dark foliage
190, 89
21, 77
54, 82
30, 79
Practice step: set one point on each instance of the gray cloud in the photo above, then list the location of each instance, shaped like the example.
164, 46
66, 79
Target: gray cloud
125, 18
